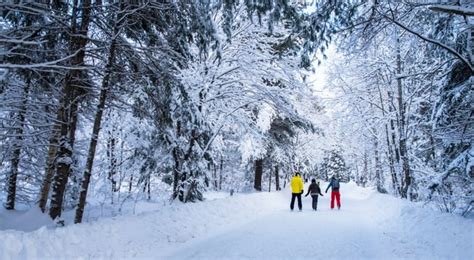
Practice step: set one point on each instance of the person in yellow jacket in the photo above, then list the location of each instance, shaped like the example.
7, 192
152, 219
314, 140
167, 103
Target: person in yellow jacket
296, 190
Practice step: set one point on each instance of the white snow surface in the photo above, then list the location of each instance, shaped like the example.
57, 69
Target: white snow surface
255, 226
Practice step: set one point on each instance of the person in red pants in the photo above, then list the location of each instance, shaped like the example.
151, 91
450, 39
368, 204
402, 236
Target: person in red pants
335, 195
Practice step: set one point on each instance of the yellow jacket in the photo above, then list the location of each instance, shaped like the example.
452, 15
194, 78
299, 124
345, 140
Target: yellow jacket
296, 184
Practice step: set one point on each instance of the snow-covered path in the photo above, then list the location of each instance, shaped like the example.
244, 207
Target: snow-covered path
307, 234
259, 226
368, 226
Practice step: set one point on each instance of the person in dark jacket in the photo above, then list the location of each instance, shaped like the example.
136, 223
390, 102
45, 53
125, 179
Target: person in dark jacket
314, 191
335, 195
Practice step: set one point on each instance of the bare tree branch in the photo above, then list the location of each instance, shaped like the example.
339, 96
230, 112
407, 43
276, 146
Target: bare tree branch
435, 42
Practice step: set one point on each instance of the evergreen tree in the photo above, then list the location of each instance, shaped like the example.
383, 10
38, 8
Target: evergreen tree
333, 164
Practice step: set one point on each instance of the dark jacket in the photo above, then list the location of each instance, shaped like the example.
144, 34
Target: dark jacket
331, 184
314, 189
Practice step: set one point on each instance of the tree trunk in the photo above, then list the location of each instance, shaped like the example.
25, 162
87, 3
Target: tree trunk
113, 163
366, 169
64, 160
18, 143
470, 43
401, 129
95, 134
393, 147
220, 173
111, 143
269, 182
130, 184
64, 156
182, 192
50, 167
389, 148
148, 185
277, 178
68, 109
357, 178
73, 176
121, 172
175, 173
258, 174
378, 167
214, 180
392, 129
391, 162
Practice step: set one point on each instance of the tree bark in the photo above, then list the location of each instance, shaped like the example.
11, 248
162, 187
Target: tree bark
50, 167
176, 172
64, 157
393, 173
258, 174
452, 9
111, 143
68, 109
220, 173
215, 181
391, 162
277, 178
357, 175
15, 161
130, 183
378, 167
402, 130
366, 169
393, 147
270, 182
148, 186
391, 109
95, 133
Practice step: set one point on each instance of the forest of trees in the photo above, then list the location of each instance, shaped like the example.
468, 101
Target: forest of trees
404, 85
128, 99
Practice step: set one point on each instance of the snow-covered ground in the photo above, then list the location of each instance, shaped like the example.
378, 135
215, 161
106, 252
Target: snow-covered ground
257, 226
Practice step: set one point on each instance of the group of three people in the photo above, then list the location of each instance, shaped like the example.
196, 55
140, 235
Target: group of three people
297, 189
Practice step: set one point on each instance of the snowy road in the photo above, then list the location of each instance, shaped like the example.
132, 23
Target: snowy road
258, 226
369, 226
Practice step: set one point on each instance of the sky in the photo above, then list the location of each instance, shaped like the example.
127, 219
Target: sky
319, 78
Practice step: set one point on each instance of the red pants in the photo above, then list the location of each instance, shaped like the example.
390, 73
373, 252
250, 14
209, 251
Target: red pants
335, 195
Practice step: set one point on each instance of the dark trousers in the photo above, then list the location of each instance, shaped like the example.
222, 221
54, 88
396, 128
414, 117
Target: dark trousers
315, 201
293, 196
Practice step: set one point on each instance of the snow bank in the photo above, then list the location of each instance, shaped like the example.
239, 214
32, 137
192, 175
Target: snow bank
24, 220
410, 230
441, 235
137, 236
